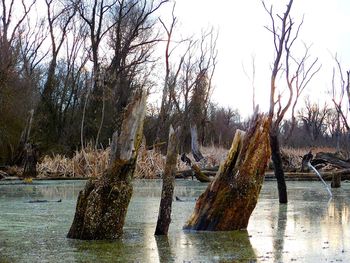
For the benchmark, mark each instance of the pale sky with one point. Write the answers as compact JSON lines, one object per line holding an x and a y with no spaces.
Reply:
{"x":242,"y":34}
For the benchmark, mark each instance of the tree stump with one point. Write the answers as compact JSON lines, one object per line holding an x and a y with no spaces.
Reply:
{"x":102,"y":205}
{"x":31,"y":155}
{"x":164,"y":216}
{"x":336,"y":180}
{"x":231,"y":197}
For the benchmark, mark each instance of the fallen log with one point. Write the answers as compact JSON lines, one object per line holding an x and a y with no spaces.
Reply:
{"x":44,"y":201}
{"x":330,"y":158}
{"x":200,"y":176}
{"x":231,"y":197}
{"x":102,"y":205}
{"x":189,"y":173}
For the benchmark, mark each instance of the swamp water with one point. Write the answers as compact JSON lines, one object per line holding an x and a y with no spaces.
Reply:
{"x":311,"y":228}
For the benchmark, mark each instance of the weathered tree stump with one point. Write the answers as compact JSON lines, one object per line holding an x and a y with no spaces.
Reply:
{"x":31,"y":156}
{"x":305,"y":160}
{"x":336,"y":180}
{"x":102,"y":205}
{"x":164,"y":216}
{"x":197,"y":155}
{"x":231,"y":197}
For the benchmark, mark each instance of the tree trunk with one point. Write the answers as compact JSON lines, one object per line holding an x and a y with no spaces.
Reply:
{"x":30,"y":161}
{"x":164,"y":216}
{"x":19,"y":158}
{"x":278,"y":169}
{"x":336,"y":180}
{"x":102,"y":205}
{"x":330,"y":158}
{"x":197,"y":155}
{"x":231,"y":197}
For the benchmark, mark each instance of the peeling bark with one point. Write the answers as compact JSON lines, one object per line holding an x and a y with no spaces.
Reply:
{"x":102,"y":205}
{"x":164,"y":216}
{"x":231,"y":197}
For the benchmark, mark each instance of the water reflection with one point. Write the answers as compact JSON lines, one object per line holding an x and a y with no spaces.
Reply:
{"x":218,"y":246}
{"x":164,"y":251}
{"x":278,"y":240}
{"x":309,"y":229}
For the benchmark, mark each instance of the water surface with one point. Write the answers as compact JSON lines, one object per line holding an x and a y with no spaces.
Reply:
{"x":311,"y":228}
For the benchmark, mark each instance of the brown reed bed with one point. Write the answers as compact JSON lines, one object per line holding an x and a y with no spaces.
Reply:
{"x":150,"y":163}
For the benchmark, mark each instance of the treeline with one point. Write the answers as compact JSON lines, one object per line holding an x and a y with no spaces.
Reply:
{"x":76,"y":64}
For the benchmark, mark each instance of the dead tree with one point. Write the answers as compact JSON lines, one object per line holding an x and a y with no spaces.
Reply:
{"x":284,"y":36}
{"x":30,"y":160}
{"x":102,"y":205}
{"x":164,"y":216}
{"x":231,"y":197}
{"x":338,"y":92}
{"x":303,"y":75}
{"x":197,"y":155}
{"x":170,"y":80}
{"x":20,"y":151}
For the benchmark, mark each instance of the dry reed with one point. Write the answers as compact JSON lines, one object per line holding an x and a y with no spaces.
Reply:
{"x":150,"y":163}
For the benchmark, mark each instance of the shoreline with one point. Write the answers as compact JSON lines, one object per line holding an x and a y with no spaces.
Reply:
{"x":269,"y":176}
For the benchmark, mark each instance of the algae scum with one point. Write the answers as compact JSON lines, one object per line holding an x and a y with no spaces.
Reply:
{"x":311,"y":228}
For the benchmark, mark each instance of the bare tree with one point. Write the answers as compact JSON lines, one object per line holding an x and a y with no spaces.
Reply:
{"x":95,"y":15}
{"x":170,"y":79}
{"x":59,"y":19}
{"x":339,"y":92}
{"x":314,"y":119}
{"x":302,"y":75}
{"x":15,"y":91}
{"x":132,"y":40}
{"x":284,"y":37}
{"x":251,"y":79}
{"x":196,"y":84}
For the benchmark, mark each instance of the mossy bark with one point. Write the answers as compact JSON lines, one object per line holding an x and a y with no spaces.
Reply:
{"x":231,"y":197}
{"x":102,"y":205}
{"x":164,"y":216}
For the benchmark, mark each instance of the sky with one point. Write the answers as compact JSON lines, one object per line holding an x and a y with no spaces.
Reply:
{"x":242,"y":35}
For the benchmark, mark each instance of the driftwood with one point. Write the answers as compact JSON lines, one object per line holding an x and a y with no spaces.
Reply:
{"x":323,"y":158}
{"x":102,"y":205}
{"x":200,"y":176}
{"x":164,"y":216}
{"x":207,"y":171}
{"x":231,"y":197}
{"x":45,"y":201}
